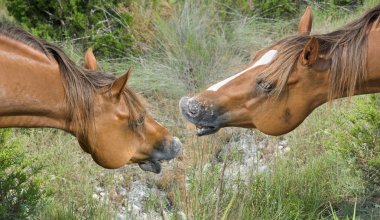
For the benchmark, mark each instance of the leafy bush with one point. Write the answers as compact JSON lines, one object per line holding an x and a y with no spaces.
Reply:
{"x":19,"y":187}
{"x":300,"y":185}
{"x":196,"y":46}
{"x":259,"y":8}
{"x":108,"y":26}
{"x":360,"y":140}
{"x":103,"y":25}
{"x":345,"y":2}
{"x":274,"y":9}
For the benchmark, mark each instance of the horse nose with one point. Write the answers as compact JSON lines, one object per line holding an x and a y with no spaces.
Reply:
{"x":194,"y":108}
{"x":172,"y":149}
{"x":190,"y":107}
{"x":177,"y":146}
{"x":168,"y":150}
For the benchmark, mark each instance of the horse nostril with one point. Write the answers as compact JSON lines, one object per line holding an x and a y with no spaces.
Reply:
{"x":194,"y":109}
{"x":190,"y":107}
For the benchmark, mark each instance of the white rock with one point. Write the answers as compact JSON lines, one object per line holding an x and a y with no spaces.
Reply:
{"x":181,"y":215}
{"x":121,"y":216}
{"x":95,"y":196}
{"x":263,"y":168}
{"x":98,"y":189}
{"x":122,"y":191}
{"x":283,"y":142}
{"x":286,"y":149}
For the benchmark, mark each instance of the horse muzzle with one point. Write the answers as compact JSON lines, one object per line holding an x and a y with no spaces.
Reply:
{"x":165,"y":151}
{"x":206,"y":118}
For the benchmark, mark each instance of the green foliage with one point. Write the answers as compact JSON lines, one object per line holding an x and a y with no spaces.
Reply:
{"x":295,"y":188}
{"x":19,"y":187}
{"x":259,"y":8}
{"x":108,"y":26}
{"x":344,"y":2}
{"x":200,"y":43}
{"x":69,"y":176}
{"x":195,"y":46}
{"x":103,"y":25}
{"x":276,"y":8}
{"x":359,"y":141}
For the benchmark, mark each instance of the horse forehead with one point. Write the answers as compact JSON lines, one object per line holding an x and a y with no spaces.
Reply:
{"x":265,"y":59}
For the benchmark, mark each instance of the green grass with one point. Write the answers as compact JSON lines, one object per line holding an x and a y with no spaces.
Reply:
{"x":313,"y":181}
{"x":320,"y":178}
{"x":20,"y":188}
{"x":195,"y":47}
{"x":304,"y":184}
{"x":68,"y":172}
{"x":3,"y":10}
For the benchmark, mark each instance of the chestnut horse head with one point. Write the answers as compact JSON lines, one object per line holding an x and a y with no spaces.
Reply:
{"x":41,"y":87}
{"x":285,"y":82}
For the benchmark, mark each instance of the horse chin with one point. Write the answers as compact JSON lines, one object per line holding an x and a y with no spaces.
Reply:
{"x":206,"y":130}
{"x":151,"y":166}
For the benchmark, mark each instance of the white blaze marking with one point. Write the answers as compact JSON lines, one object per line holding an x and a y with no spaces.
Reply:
{"x":266,"y":58}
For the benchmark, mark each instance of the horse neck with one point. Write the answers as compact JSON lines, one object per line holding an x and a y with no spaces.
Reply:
{"x":31,"y":89}
{"x":372,"y":84}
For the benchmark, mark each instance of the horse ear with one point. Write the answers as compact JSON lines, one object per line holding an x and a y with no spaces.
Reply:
{"x":310,"y":52}
{"x":304,"y":27}
{"x":120,"y":83}
{"x":90,"y":60}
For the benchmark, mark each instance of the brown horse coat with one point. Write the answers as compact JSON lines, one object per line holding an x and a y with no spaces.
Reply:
{"x":41,"y":87}
{"x":286,"y":81}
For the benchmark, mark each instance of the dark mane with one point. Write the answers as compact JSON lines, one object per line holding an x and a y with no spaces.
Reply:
{"x":80,"y":84}
{"x":347,"y":48}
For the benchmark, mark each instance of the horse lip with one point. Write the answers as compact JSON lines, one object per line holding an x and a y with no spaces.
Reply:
{"x":206,"y":130}
{"x":210,"y":122}
{"x":150,"y":166}
{"x":207,"y":127}
{"x":154,"y":163}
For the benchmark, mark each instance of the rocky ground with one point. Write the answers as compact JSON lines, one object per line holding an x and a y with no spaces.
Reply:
{"x":243,"y":155}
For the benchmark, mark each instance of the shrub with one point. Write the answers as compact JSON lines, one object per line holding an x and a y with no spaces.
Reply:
{"x":274,"y":9}
{"x":360,"y":140}
{"x":259,"y":8}
{"x":103,"y":25}
{"x":345,"y":2}
{"x":195,"y":46}
{"x":19,"y":188}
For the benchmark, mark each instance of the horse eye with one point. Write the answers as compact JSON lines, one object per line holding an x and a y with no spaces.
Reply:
{"x":140,"y":121}
{"x":265,"y":86}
